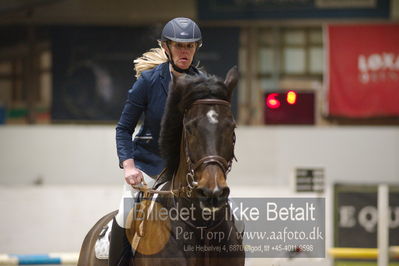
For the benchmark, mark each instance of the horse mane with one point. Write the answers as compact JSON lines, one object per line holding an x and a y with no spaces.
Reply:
{"x":182,"y":93}
{"x":149,"y":60}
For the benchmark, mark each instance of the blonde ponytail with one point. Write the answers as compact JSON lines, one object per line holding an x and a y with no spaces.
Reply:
{"x":149,"y":60}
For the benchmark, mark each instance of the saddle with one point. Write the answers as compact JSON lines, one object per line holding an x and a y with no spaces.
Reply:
{"x":136,"y":232}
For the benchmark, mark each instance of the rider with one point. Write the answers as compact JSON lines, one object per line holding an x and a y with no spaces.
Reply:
{"x":140,"y":158}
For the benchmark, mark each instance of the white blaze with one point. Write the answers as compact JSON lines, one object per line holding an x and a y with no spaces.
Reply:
{"x":212,"y":116}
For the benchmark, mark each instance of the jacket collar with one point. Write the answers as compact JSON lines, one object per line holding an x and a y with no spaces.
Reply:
{"x":165,"y":76}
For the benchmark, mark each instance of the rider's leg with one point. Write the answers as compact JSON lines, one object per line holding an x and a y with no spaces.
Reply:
{"x":119,"y":250}
{"x":120,"y":247}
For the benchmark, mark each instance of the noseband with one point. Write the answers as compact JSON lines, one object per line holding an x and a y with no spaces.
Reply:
{"x":206,"y":160}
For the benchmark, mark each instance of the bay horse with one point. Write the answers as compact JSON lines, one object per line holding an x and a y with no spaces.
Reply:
{"x":193,"y":223}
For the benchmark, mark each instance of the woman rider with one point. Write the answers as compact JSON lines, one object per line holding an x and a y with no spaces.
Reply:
{"x":140,"y":158}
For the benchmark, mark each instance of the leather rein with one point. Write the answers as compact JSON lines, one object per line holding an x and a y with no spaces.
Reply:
{"x":192,"y":166}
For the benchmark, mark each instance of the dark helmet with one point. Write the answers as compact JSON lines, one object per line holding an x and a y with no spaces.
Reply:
{"x":181,"y":30}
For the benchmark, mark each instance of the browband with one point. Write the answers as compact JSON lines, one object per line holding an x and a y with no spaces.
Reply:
{"x":211,"y":101}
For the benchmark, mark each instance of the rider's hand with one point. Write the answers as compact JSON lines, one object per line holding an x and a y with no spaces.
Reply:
{"x":133,"y":175}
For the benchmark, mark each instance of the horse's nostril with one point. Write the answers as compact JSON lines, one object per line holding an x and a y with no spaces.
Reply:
{"x":203,"y":192}
{"x":221,"y":194}
{"x":225,"y":193}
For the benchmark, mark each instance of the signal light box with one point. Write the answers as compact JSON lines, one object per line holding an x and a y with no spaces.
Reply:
{"x":289,"y":108}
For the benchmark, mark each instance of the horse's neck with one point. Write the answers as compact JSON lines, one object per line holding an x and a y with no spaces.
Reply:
{"x":181,"y":172}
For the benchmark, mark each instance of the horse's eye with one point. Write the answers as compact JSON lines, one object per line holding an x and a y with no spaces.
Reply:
{"x":189,"y":131}
{"x":190,"y":128}
{"x":229,"y":124}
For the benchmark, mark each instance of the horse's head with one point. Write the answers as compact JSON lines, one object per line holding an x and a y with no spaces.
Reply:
{"x":208,"y":131}
{"x":206,"y":147}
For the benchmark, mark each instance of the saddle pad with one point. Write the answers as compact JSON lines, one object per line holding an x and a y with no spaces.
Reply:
{"x":101,"y":247}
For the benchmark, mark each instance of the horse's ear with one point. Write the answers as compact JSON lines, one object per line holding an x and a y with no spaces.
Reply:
{"x":231,"y":80}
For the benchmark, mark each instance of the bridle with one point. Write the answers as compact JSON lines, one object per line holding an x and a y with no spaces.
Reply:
{"x":206,"y":160}
{"x":192,"y":166}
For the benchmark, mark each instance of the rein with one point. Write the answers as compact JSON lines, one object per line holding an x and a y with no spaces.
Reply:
{"x":192,"y":166}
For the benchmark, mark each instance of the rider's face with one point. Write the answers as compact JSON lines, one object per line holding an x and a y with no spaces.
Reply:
{"x":182,"y":53}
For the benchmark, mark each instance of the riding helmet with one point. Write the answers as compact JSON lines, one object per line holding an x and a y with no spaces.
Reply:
{"x":181,"y":30}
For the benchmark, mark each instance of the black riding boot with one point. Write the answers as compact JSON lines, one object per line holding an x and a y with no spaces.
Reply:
{"x":120,"y":251}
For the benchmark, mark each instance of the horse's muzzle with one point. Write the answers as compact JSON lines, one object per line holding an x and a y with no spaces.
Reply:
{"x":215,"y":198}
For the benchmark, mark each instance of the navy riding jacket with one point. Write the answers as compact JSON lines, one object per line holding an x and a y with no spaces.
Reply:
{"x":148,"y":97}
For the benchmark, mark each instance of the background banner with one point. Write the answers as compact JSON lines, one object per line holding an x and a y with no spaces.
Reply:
{"x":363,"y":70}
{"x":356,"y":215}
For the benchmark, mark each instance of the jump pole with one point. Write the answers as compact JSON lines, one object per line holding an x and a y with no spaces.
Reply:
{"x":383,"y":225}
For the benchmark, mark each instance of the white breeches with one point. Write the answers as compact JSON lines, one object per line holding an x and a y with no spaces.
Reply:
{"x":128,"y":199}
